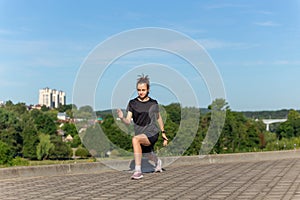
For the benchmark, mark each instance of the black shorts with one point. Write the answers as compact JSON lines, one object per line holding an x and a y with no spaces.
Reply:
{"x":153,"y":139}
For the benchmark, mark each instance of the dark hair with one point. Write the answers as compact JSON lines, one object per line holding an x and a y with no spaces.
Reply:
{"x":143,"y":79}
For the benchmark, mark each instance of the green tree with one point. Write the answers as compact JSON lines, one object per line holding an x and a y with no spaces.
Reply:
{"x":251,"y":140}
{"x":19,"y":108}
{"x":13,"y":138}
{"x":31,"y":140}
{"x":87,"y":109}
{"x":95,"y":140}
{"x":10,"y":129}
{"x":64,"y":108}
{"x":293,"y":115}
{"x":285,"y":130}
{"x":174,"y":112}
{"x":76,"y":141}
{"x":44,"y":147}
{"x":114,"y":134}
{"x":61,"y":150}
{"x":217,"y":119}
{"x":43,"y":122}
{"x":6,"y":155}
{"x":70,"y":129}
{"x":186,"y":131}
{"x":239,"y":134}
{"x":290,"y":128}
{"x":44,"y":108}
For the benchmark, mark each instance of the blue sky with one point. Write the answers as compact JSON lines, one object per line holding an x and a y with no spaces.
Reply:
{"x":254,"y":45}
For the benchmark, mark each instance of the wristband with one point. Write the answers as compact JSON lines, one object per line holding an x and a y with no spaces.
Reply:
{"x":163,"y":131}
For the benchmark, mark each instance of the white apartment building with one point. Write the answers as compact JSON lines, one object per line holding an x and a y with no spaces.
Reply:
{"x":52,"y":98}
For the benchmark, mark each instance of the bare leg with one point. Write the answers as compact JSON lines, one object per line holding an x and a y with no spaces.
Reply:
{"x":137,"y":149}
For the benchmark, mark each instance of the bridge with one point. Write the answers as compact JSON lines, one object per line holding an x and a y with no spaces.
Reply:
{"x":271,"y":121}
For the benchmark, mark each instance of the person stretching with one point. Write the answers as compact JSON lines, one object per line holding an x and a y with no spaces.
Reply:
{"x":146,"y":118}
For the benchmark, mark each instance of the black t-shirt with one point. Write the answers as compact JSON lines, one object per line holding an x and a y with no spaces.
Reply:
{"x":144,"y":116}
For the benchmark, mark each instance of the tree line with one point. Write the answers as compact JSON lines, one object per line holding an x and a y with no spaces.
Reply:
{"x":33,"y":134}
{"x":240,"y":133}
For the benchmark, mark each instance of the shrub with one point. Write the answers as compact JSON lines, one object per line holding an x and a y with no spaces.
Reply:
{"x":61,"y":150}
{"x":82,"y":152}
{"x":18,"y":161}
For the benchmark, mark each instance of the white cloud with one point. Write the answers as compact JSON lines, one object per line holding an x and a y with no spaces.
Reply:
{"x":286,"y":62}
{"x":264,"y":12}
{"x":134,"y":15}
{"x":267,"y":24}
{"x":263,"y":63}
{"x":225,"y":5}
{"x":179,"y":45}
{"x":219,"y":44}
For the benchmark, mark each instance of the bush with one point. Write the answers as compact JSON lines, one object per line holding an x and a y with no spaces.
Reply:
{"x":76,"y":141}
{"x":82,"y":152}
{"x":61,"y":150}
{"x":18,"y":161}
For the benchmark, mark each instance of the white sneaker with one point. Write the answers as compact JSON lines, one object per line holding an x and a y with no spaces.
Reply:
{"x":158,"y":166}
{"x":137,"y":175}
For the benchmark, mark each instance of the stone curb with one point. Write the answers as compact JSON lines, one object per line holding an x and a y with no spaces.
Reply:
{"x":51,"y":170}
{"x":98,"y":167}
{"x":239,"y":157}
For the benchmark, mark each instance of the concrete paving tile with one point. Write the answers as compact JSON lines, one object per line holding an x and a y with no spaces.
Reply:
{"x":268,"y":179}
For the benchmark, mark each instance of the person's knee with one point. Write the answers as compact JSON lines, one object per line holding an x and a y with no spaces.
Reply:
{"x":135,"y":140}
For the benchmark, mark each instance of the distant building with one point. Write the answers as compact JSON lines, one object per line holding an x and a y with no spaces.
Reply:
{"x":52,"y":98}
{"x":38,"y":107}
{"x":69,"y":138}
{"x":100,"y":120}
{"x":62,"y":116}
{"x":2,"y":103}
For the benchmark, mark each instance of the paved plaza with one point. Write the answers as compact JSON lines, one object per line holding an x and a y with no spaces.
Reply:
{"x":258,"y":179}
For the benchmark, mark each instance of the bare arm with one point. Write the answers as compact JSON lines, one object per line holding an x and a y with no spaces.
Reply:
{"x":126,"y":120}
